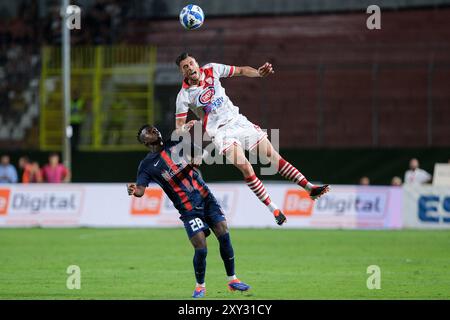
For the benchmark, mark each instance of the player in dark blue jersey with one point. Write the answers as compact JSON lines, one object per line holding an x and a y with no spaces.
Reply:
{"x":198,"y":208}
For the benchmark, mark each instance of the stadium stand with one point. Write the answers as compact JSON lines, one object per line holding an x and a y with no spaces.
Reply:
{"x":19,"y":74}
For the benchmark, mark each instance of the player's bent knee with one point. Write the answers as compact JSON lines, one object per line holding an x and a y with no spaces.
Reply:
{"x":198,"y":240}
{"x":199,"y":245}
{"x":272,"y":153}
{"x":220,"y":229}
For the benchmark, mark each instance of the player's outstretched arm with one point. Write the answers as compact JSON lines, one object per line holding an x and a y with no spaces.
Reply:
{"x":134,"y":190}
{"x":263,"y":71}
{"x":179,"y":123}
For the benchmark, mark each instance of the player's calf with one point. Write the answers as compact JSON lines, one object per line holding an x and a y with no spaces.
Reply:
{"x":259,"y":190}
{"x":200,"y":270}
{"x":288,"y":171}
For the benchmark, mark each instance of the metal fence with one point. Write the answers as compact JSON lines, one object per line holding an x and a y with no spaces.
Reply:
{"x":116,"y":84}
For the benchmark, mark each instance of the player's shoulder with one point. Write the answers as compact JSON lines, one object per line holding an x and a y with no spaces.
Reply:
{"x":148,"y":160}
{"x":209,"y":65}
{"x":212,"y":65}
{"x":219,"y":69}
{"x":183,"y":94}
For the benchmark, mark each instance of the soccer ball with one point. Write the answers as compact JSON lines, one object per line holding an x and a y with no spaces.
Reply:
{"x":192,"y":17}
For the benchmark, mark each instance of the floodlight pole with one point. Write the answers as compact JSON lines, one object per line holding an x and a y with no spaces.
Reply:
{"x":67,"y":129}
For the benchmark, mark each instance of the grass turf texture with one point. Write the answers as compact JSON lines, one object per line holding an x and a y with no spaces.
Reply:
{"x":278,"y":264}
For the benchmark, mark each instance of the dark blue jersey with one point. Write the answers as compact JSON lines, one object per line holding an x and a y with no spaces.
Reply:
{"x":176,"y":176}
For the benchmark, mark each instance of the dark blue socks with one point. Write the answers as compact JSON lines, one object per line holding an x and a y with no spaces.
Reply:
{"x":200,"y":264}
{"x":227,"y":253}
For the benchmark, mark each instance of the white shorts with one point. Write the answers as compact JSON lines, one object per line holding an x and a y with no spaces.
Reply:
{"x":240,"y":132}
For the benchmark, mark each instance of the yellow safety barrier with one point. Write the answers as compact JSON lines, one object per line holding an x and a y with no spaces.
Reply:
{"x":117,"y":86}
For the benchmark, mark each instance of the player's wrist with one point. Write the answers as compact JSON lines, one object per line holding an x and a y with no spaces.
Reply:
{"x":185,"y":127}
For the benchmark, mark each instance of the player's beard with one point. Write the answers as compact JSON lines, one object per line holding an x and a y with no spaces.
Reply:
{"x":158,"y":142}
{"x":196,"y":75}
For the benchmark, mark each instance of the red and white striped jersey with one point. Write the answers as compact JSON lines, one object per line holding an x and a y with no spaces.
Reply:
{"x":208,"y":100}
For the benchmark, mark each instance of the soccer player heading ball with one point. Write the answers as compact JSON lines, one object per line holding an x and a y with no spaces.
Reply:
{"x":231,"y":132}
{"x":198,"y":208}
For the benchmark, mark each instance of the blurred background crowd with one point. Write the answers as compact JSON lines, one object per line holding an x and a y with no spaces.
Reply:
{"x":30,"y":171}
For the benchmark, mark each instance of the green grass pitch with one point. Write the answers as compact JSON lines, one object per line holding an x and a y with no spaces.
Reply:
{"x":277,"y":263}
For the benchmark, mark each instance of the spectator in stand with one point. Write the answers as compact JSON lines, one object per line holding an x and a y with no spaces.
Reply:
{"x":8,"y":174}
{"x":396,"y":181}
{"x":364,"y":181}
{"x":24,"y":166}
{"x":55,"y":172}
{"x":31,"y":172}
{"x":36,"y":173}
{"x":415,"y":175}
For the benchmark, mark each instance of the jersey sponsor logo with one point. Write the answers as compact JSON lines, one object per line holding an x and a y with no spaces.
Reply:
{"x":4,"y":200}
{"x":297,"y":203}
{"x":213,"y":105}
{"x":170,"y":173}
{"x":148,"y":204}
{"x":156,"y":163}
{"x":168,"y":176}
{"x":179,"y":163}
{"x":206,"y":96}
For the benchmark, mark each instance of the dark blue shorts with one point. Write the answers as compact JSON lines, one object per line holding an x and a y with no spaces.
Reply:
{"x":202,"y":219}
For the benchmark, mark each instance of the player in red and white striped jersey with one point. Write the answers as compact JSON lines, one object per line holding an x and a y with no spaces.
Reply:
{"x":232,"y":132}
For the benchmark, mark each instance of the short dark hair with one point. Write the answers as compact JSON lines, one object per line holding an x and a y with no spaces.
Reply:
{"x":181,"y":57}
{"x":138,"y":136}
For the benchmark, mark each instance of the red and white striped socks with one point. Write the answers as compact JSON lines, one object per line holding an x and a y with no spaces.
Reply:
{"x":288,"y":171}
{"x":260,"y":191}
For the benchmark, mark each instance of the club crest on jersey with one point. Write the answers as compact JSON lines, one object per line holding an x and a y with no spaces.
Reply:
{"x":206,"y":96}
